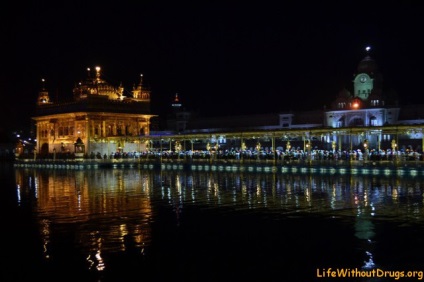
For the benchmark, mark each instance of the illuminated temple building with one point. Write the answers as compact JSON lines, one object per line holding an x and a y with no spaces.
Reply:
{"x":367,"y":113}
{"x":106,"y":121}
{"x":100,"y":116}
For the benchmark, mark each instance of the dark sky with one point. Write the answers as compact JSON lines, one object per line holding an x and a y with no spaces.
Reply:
{"x":222,"y":58}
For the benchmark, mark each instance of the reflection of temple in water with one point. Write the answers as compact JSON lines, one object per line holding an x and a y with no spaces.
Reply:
{"x":348,"y":195}
{"x":111,"y":210}
{"x":97,"y":199}
{"x":76,"y":195}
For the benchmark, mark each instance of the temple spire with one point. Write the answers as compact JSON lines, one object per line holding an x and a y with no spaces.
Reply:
{"x":176,"y":104}
{"x":43,"y":95}
{"x":98,"y":73}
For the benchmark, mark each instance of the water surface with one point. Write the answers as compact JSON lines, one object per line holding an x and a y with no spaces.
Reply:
{"x":143,"y":225}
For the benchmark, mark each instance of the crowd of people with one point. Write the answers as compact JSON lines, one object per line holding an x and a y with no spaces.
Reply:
{"x":293,"y":154}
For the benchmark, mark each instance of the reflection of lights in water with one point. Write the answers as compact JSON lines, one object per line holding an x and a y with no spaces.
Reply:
{"x":146,"y":186}
{"x":100,"y":265}
{"x":79,"y":200}
{"x":95,"y":259}
{"x":243,"y":189}
{"x":123,"y":230}
{"x":193,"y":194}
{"x":308,"y":195}
{"x":209,"y":185}
{"x":35,"y":186}
{"x":18,"y":193}
{"x":394,"y":193}
{"x":168,"y":195}
{"x":359,"y":194}
{"x":178,"y":184}
{"x":45,"y":231}
{"x":217,"y":193}
{"x":369,"y":264}
{"x":162,"y":192}
{"x":365,"y":231}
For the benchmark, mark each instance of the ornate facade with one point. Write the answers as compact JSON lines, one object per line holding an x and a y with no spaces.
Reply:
{"x":368,"y":106}
{"x":100,"y":115}
{"x":365,"y":115}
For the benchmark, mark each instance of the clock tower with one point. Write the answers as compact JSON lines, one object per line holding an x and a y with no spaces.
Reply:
{"x":367,"y":78}
{"x":363,"y":85}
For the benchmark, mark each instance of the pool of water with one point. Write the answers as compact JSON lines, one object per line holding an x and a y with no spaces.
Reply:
{"x":143,"y":225}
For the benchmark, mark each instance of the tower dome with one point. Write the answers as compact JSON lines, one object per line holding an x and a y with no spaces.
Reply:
{"x":97,"y":86}
{"x":367,"y":65}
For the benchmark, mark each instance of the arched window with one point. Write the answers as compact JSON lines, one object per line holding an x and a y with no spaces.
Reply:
{"x":373,"y":121}
{"x":341,"y":122}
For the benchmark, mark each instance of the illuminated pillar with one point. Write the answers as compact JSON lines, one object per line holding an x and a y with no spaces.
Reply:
{"x":103,"y":128}
{"x":397,"y":138}
{"x":243,"y":147}
{"x":394,"y":145}
{"x":160,"y":139}
{"x":288,"y":147}
{"x":365,"y":150}
{"x":308,"y":151}
{"x":88,"y":135}
{"x":258,"y":149}
{"x":184,"y":149}
{"x":208,"y":148}
{"x":340,"y":141}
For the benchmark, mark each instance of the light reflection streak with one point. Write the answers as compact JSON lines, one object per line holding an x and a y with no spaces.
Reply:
{"x":45,"y":231}
{"x":94,"y":259}
{"x":18,"y":193}
{"x":35,"y":187}
{"x":123,"y":230}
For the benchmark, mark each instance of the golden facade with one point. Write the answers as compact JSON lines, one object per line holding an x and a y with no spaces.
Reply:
{"x":100,"y":115}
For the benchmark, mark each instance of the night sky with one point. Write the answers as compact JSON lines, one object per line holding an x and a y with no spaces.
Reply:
{"x":222,"y":59}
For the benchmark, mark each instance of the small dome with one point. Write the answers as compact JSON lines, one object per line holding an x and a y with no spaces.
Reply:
{"x":367,"y":65}
{"x":344,"y":94}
